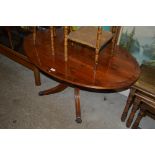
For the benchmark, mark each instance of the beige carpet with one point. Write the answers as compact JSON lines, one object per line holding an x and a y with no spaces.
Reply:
{"x":21,"y":107}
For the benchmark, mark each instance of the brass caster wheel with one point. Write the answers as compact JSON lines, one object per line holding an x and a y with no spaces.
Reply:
{"x":41,"y":93}
{"x":78,"y":120}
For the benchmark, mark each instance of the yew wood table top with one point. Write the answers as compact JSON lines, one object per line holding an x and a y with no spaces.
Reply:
{"x":115,"y":72}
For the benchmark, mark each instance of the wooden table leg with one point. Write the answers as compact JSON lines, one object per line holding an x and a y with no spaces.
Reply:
{"x":128,"y":104}
{"x":37,"y":76}
{"x":53,"y":90}
{"x":133,"y":111}
{"x":8,"y":30}
{"x":141,"y":114}
{"x":77,"y":105}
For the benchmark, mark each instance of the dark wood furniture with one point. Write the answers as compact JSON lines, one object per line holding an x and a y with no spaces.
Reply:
{"x":142,"y":96}
{"x":113,"y":72}
{"x":19,"y":57}
{"x":93,"y":37}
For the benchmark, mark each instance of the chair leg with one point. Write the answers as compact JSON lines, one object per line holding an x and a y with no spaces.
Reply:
{"x":77,"y":105}
{"x":65,"y":43}
{"x":37,"y":76}
{"x":96,"y":56}
{"x":141,"y":114}
{"x":10,"y":37}
{"x":52,"y":39}
{"x":99,"y":32}
{"x":116,"y":31}
{"x":133,"y":111}
{"x":128,"y":104}
{"x":34,"y":35}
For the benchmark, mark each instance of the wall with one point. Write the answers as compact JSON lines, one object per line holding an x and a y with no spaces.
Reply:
{"x":140,"y":42}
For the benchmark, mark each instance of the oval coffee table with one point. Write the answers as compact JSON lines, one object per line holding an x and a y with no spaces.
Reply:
{"x":113,"y":73}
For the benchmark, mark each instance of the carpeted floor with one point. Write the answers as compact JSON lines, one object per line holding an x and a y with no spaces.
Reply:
{"x":21,"y":107}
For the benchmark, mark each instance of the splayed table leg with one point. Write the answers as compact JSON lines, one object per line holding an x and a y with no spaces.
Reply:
{"x":53,"y":90}
{"x":77,"y":105}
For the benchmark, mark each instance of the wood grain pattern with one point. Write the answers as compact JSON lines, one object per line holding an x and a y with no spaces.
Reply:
{"x":112,"y":72}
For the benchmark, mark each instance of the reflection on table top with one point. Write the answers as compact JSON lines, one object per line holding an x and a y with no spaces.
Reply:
{"x":112,"y":73}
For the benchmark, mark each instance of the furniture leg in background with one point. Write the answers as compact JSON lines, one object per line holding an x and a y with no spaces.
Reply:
{"x":142,"y":97}
{"x":21,"y":59}
{"x":141,"y":114}
{"x":133,"y":111}
{"x":7,"y":29}
{"x":128,"y":104}
{"x":37,"y":76}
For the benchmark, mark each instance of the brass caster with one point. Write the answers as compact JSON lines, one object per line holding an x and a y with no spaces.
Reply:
{"x":78,"y":120}
{"x":41,"y":93}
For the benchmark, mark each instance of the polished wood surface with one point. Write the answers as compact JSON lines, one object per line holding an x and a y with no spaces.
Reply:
{"x":118,"y":71}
